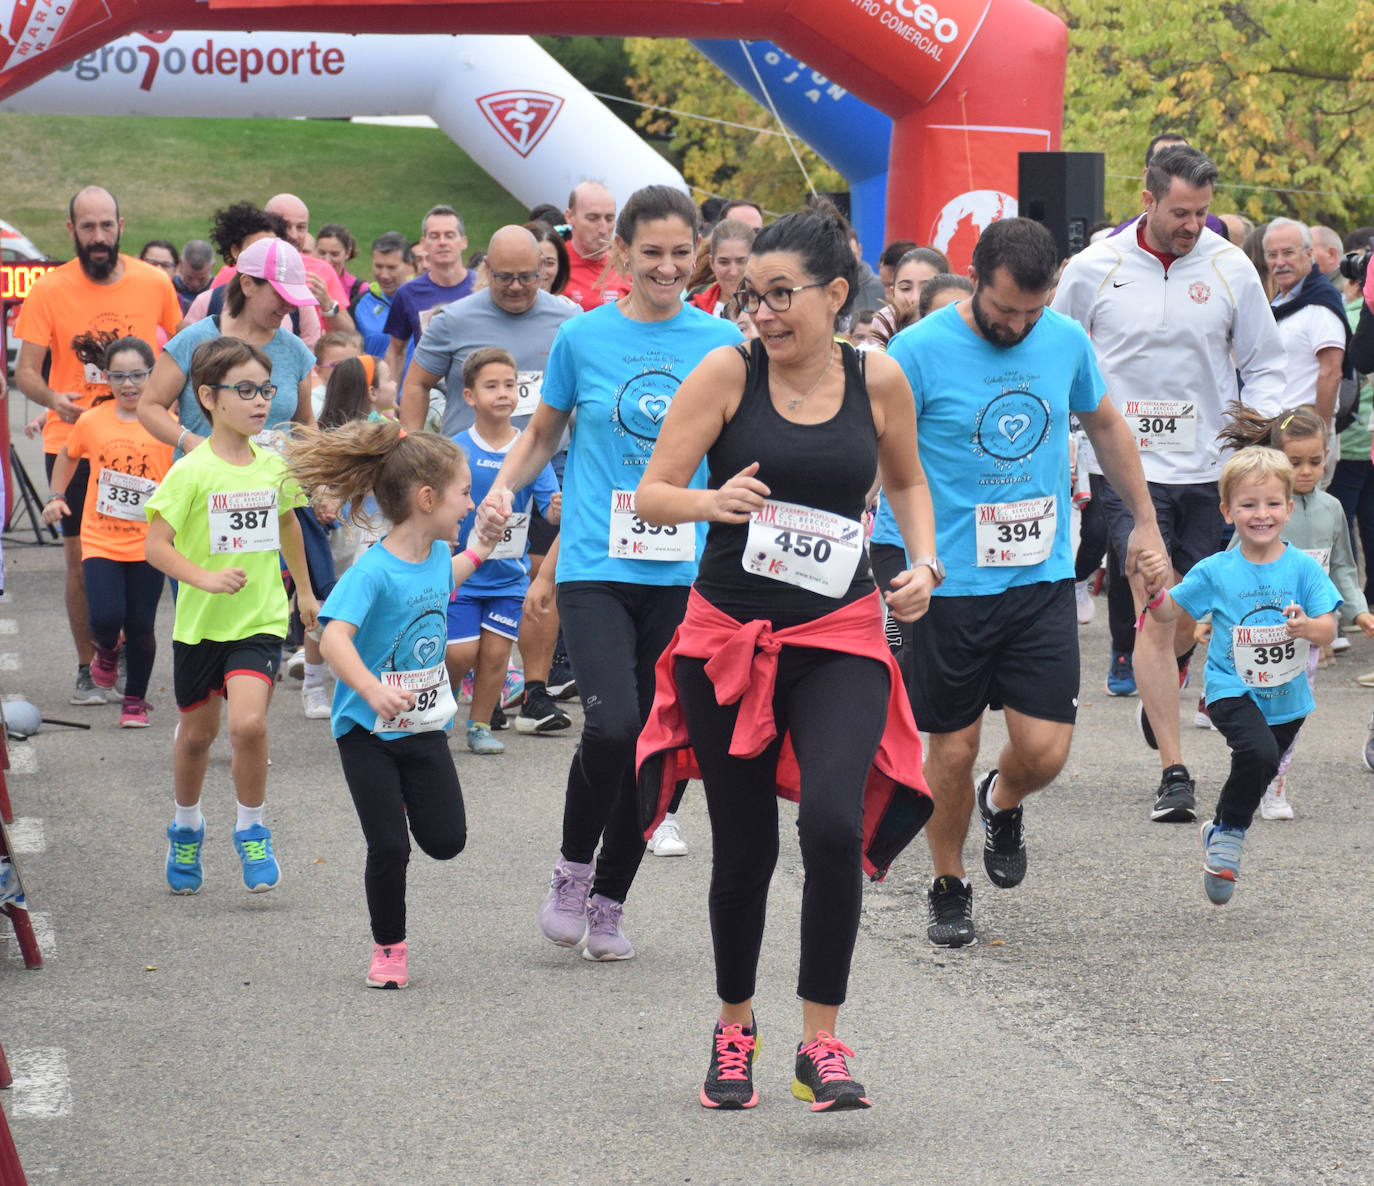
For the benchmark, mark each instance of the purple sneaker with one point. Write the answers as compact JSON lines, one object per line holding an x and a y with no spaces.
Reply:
{"x":563,"y":913}
{"x":605,"y":940}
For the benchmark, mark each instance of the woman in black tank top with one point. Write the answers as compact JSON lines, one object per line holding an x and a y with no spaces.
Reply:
{"x":795,"y":433}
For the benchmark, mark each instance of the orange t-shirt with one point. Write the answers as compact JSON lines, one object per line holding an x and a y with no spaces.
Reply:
{"x":66,"y":306}
{"x":127,"y":463}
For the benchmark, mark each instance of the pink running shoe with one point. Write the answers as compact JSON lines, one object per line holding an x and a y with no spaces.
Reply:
{"x":105,"y":668}
{"x":389,"y":966}
{"x":134,"y":714}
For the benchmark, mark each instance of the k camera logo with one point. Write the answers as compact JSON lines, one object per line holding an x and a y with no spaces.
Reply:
{"x":226,"y":61}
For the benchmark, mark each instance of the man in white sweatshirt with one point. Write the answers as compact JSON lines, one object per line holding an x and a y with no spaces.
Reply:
{"x":1173,"y":311}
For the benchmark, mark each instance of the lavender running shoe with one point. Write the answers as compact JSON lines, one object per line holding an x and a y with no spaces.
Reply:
{"x":563,"y":913}
{"x":605,"y":940}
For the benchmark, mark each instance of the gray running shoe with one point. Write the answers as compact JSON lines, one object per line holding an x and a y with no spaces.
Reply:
{"x":87,"y":691}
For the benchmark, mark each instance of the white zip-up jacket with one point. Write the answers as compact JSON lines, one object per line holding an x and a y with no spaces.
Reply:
{"x":1169,"y":344}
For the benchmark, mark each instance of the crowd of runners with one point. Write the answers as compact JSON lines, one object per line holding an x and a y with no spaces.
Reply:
{"x":768,"y":514}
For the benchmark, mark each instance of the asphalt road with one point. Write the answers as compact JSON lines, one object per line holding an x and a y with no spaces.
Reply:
{"x":1111,"y":1026}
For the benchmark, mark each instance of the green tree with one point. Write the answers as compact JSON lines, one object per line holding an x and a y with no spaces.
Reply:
{"x":599,"y":63}
{"x":1277,"y":92}
{"x":750,"y":161}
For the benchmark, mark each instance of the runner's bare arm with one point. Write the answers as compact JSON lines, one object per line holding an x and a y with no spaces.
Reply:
{"x":336,"y":645}
{"x":28,"y":377}
{"x":155,"y":405}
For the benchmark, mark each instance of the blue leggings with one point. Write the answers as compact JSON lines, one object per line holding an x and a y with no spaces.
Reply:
{"x":123,"y":595}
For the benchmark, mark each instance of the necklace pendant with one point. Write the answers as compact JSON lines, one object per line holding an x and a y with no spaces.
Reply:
{"x":793,"y":404}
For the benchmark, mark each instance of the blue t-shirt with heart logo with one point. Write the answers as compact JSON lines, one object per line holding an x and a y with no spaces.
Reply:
{"x":400,"y":610}
{"x":993,"y":429}
{"x":620,"y":376}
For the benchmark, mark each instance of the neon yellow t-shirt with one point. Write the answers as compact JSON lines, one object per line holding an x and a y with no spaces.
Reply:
{"x":229,"y":516}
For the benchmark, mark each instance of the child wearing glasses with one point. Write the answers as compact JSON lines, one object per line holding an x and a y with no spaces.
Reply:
{"x":122,"y":588}
{"x":216,"y":525}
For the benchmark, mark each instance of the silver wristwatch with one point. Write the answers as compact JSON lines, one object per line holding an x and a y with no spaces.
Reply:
{"x":934,"y":563}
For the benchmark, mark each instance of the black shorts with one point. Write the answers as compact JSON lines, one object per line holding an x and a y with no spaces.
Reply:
{"x":201,"y":669}
{"x":1189,"y":519}
{"x":1017,"y":649}
{"x":74,"y":494}
{"x":542,"y":533}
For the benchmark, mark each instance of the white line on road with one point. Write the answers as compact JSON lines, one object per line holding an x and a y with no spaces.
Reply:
{"x":27,"y":836}
{"x":23,"y":757}
{"x":8,"y":626}
{"x":9,"y":661}
{"x":42,"y":931}
{"x":42,"y":1084}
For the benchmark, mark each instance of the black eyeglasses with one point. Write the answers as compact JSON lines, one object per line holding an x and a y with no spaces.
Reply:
{"x":777,"y":299}
{"x":515,"y":277}
{"x":119,"y":378}
{"x":248,"y":390}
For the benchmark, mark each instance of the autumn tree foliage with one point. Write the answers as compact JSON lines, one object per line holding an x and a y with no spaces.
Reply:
{"x":1280,"y":93}
{"x":719,"y":159}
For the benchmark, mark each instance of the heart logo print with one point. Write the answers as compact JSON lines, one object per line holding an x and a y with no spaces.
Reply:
{"x":426,"y":650}
{"x":1012,"y":427}
{"x":654,"y":406}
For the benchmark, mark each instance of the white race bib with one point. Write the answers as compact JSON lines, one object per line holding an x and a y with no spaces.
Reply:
{"x":511,"y":546}
{"x":1322,"y":556}
{"x":633,"y":539}
{"x":528,"y":387}
{"x":1162,"y":425}
{"x":122,"y":496}
{"x":1015,"y":533}
{"x":803,"y":546}
{"x":244,"y":521}
{"x":434,"y":703}
{"x":1266,"y":657}
{"x":272,"y":439}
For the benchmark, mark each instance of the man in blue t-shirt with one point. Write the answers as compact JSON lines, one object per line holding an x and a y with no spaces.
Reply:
{"x":995,"y":378}
{"x":441,"y":231}
{"x":391,"y":267}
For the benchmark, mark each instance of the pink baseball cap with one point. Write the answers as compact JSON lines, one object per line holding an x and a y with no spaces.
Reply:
{"x":280,"y":264}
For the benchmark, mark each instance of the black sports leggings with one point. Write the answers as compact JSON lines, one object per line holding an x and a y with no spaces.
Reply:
{"x":615,"y":633}
{"x":1256,"y":748}
{"x":411,"y":779}
{"x":836,"y":708}
{"x":123,"y":595}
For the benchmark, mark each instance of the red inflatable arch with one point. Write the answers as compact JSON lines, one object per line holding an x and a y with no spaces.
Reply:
{"x":968,"y":83}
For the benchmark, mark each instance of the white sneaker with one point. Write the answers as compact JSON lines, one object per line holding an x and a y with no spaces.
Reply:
{"x":1275,"y":803}
{"x":295,"y":666}
{"x":1083,"y":597}
{"x":315,"y":701}
{"x":1340,"y":643}
{"x":667,"y":841}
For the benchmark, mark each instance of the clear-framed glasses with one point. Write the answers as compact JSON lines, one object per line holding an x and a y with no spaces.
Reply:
{"x":508,"y":278}
{"x":119,"y":378}
{"x":777,"y":299}
{"x":248,"y":390}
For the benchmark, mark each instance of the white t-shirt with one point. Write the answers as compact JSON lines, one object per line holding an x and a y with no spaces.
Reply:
{"x":1304,"y":333}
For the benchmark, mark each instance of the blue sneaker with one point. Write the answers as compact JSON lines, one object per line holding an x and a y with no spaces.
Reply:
{"x":480,"y":740}
{"x":1121,"y":675}
{"x":260,"y":870}
{"x":184,"y":870}
{"x":512,"y":687}
{"x":1221,"y":860}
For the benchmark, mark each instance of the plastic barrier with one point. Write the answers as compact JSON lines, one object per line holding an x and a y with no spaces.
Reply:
{"x":968,"y":83}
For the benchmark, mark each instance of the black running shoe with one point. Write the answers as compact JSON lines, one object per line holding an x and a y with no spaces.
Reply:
{"x":1142,"y":723}
{"x":1004,"y":842}
{"x":730,"y":1076}
{"x":562,"y":684}
{"x":1175,"y":801}
{"x":539,"y":714}
{"x":951,"y":913}
{"x":822,"y":1076}
{"x":498,"y":719}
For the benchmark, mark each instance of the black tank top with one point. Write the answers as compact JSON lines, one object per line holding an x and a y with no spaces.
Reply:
{"x":830,"y":466}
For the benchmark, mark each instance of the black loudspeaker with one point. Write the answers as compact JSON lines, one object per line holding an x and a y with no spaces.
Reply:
{"x":1065,"y":191}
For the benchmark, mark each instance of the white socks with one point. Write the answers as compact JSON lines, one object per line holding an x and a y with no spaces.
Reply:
{"x":314,"y":674}
{"x":189,"y":817}
{"x":248,"y":817}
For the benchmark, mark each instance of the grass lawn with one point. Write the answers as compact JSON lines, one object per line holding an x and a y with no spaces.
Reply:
{"x":171,"y":174}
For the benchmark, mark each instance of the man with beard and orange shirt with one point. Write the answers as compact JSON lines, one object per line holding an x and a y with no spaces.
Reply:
{"x":75,"y":311}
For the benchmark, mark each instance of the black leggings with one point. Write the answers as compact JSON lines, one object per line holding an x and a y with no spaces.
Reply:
{"x":835,"y":707}
{"x":123,"y":595}
{"x":411,"y":779}
{"x":615,"y":633}
{"x":1256,"y":748}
